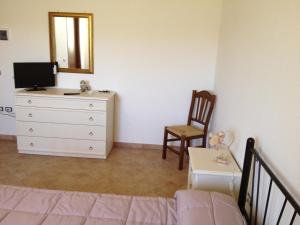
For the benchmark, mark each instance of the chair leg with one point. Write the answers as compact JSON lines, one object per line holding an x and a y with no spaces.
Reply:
{"x":188,"y":144}
{"x":204,"y":142}
{"x":181,"y":153}
{"x":164,"y":153}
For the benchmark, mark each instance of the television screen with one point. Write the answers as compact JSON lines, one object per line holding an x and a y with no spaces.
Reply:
{"x":34,"y":75}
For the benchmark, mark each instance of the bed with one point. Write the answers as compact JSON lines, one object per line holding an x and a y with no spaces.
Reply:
{"x":30,"y":206}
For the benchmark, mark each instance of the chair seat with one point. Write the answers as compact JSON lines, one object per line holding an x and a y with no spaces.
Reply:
{"x":186,"y":130}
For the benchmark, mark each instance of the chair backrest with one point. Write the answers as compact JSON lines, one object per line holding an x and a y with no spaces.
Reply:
{"x":201,"y":109}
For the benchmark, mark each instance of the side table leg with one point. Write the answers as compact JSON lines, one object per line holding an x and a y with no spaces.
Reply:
{"x":190,"y":174}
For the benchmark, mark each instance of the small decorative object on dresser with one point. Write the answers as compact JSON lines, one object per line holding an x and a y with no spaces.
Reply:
{"x":213,"y":170}
{"x":85,"y":86}
{"x":51,"y":123}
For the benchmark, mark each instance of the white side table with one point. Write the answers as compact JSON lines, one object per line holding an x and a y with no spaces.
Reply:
{"x":205,"y":173}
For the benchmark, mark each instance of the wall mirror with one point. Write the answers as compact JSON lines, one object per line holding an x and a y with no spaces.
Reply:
{"x":71,"y":41}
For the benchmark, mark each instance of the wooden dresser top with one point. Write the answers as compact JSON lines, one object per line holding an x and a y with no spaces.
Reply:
{"x":59,"y":92}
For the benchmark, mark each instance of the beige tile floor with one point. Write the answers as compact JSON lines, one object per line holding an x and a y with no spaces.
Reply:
{"x":126,"y":171}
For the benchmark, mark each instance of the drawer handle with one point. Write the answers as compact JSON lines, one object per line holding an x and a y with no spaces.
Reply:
{"x":29,"y":114}
{"x":91,"y":133}
{"x":91,"y":148}
{"x":31,"y":144}
{"x":29,"y":101}
{"x":30,"y":130}
{"x":91,"y":119}
{"x":91,"y":105}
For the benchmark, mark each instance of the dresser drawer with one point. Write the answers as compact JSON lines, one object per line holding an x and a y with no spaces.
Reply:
{"x":60,"y":116}
{"x":61,"y":103}
{"x":61,"y":130}
{"x":57,"y":145}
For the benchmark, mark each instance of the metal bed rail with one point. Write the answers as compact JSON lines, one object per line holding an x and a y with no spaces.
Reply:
{"x":253,"y":161}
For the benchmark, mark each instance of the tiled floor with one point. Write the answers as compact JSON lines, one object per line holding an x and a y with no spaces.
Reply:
{"x":126,"y":171}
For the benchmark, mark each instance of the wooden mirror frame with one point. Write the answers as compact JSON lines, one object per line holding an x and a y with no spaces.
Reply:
{"x":89,"y":16}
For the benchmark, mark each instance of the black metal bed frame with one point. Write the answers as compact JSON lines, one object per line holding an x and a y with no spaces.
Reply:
{"x":251,"y":217}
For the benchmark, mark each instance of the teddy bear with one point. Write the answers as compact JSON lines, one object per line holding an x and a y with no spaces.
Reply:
{"x":221,"y":139}
{"x":216,"y":139}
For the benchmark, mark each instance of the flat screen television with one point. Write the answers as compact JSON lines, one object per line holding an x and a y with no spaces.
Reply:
{"x":34,"y":75}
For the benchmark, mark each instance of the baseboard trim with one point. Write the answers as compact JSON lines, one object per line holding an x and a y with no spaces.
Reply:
{"x":137,"y":145}
{"x":116,"y":144}
{"x":8,"y":137}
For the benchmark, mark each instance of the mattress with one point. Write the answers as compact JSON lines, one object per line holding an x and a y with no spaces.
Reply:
{"x":30,"y":206}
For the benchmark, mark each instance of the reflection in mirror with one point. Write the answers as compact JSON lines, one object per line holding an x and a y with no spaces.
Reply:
{"x":71,"y":41}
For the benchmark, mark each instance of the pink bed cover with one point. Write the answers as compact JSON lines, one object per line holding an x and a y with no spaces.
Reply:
{"x":29,"y":206}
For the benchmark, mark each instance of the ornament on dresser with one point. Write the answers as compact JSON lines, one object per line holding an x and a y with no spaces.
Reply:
{"x":85,"y":86}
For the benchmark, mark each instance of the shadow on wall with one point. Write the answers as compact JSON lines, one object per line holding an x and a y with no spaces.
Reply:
{"x":116,"y":119}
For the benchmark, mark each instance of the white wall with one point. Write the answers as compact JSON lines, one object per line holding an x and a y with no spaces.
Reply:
{"x":151,"y":52}
{"x":258,"y":81}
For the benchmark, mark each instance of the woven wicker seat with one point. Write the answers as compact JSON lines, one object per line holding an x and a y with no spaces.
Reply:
{"x":201,"y":108}
{"x":186,"y":130}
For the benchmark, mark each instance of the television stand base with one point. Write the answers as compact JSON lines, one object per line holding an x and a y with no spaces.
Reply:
{"x":36,"y":89}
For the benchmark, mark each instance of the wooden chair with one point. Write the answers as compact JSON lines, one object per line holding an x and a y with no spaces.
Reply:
{"x":201,"y":109}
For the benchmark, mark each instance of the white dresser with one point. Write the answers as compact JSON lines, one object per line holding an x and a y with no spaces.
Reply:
{"x":51,"y":123}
